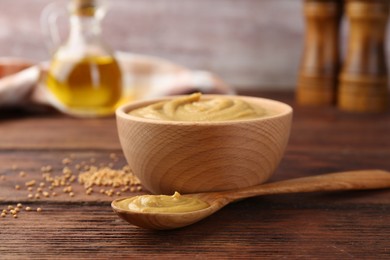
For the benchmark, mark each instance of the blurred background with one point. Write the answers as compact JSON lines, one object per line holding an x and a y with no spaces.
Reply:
{"x":249,"y":43}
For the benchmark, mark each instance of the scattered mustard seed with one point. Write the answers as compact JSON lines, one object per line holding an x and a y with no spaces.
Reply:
{"x":66,"y":170}
{"x":30,"y":183}
{"x":113,"y":181}
{"x":66,"y":161}
{"x":46,"y":169}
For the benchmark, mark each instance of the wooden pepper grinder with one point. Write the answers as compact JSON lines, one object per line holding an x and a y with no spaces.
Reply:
{"x":364,"y":79}
{"x":319,"y":69}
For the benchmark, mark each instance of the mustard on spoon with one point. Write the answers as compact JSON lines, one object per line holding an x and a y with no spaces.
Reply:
{"x":142,"y":214}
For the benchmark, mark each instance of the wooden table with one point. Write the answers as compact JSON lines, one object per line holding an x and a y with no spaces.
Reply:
{"x":338,"y":225}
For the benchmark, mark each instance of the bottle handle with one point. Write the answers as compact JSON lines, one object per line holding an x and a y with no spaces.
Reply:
{"x":49,"y":21}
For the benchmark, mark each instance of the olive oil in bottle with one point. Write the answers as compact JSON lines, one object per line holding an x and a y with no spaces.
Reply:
{"x":89,"y":86}
{"x":84,"y":77}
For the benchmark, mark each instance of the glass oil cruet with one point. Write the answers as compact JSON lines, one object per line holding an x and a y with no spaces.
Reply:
{"x":84,"y":78}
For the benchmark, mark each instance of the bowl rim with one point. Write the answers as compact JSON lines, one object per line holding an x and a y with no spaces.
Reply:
{"x":122,"y":111}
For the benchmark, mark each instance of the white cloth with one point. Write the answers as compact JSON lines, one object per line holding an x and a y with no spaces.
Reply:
{"x":21,"y":82}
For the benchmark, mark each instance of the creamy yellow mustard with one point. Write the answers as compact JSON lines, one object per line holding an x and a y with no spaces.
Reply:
{"x":163,"y":204}
{"x":193,"y":108}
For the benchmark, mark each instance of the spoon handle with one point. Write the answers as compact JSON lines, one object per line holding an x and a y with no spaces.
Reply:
{"x":341,"y":181}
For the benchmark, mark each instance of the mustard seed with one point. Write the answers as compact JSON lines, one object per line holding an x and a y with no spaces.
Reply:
{"x":66,"y":161}
{"x":30,"y":183}
{"x":15,"y":216}
{"x":28,"y":208}
{"x":30,"y":196}
{"x":72,"y":178}
{"x":46,"y":169}
{"x":17,"y":187}
{"x":22,"y":174}
{"x":39,"y":209}
{"x":66,"y":170}
{"x":19,"y":205}
{"x":3,"y":215}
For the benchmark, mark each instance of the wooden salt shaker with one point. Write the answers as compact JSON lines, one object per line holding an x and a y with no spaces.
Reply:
{"x":319,"y":69}
{"x":364,"y":79}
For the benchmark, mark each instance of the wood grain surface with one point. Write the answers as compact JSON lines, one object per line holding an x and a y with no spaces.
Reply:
{"x":338,"y":225}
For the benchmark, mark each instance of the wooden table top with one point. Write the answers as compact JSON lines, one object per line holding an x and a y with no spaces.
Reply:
{"x":337,"y":225}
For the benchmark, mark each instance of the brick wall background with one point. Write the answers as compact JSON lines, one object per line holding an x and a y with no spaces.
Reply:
{"x":249,"y":43}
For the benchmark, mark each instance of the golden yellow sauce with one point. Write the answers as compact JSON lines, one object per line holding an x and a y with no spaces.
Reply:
{"x":92,"y":85}
{"x":163,"y":204}
{"x":193,"y":108}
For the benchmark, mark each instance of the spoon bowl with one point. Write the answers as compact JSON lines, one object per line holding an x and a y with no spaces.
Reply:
{"x":351,"y":180}
{"x":163,"y":221}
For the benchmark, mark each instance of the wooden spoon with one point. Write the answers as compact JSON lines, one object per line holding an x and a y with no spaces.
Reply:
{"x":351,"y":180}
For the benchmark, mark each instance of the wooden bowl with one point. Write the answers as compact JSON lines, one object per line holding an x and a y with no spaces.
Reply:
{"x":191,"y":157}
